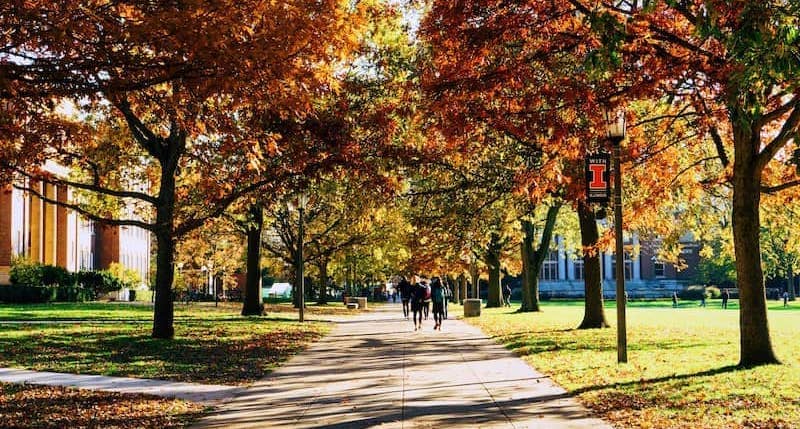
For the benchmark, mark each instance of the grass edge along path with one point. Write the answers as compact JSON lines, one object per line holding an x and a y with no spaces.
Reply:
{"x":143,"y":311}
{"x":681,"y":371}
{"x":229,"y":350}
{"x":27,"y":406}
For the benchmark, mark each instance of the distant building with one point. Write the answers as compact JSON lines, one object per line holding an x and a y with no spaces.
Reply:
{"x":562,"y":273}
{"x":54,"y":235}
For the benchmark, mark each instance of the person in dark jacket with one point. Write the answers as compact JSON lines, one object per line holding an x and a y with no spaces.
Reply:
{"x":438,"y":299}
{"x":417,"y":299}
{"x":405,"y":295}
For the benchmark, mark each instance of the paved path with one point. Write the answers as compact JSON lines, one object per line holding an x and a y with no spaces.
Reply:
{"x":195,"y":392}
{"x":375,"y":371}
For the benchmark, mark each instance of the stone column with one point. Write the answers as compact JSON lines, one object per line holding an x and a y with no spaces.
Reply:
{"x":107,"y":245}
{"x":61,"y":228}
{"x":637,"y":265}
{"x":609,"y":273}
{"x":36,"y":224}
{"x":50,"y":226}
{"x":562,"y":255}
{"x":5,"y":233}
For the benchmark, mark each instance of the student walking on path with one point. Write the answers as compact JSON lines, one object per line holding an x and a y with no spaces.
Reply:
{"x":438,"y":299}
{"x":405,"y":294}
{"x":725,"y":297}
{"x":417,"y":300}
{"x":426,"y":301}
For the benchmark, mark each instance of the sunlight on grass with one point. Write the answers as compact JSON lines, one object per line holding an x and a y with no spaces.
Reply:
{"x":210,"y":351}
{"x":143,"y":312}
{"x":681,"y":370}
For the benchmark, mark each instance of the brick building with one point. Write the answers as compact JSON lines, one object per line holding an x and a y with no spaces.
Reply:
{"x":645,"y":275}
{"x":54,"y":235}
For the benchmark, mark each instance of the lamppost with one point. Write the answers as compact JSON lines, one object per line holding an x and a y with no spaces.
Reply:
{"x":615,"y":127}
{"x":302,"y":201}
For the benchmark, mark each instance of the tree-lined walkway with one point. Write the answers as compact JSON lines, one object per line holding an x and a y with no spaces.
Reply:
{"x":374,"y":370}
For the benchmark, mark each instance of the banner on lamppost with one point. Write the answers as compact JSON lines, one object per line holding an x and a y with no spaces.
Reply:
{"x":598,"y":186}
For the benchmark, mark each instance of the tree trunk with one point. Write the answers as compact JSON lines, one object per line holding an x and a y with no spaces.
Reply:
{"x":756,"y":347}
{"x":455,"y":286}
{"x":475,"y":275}
{"x":492,"y":259}
{"x":252,"y":305}
{"x":323,"y":281}
{"x":462,"y":284}
{"x":163,"y":309}
{"x":296,"y":282}
{"x":790,"y":279}
{"x":163,"y":313}
{"x":532,"y":260}
{"x":526,"y":248}
{"x":594,"y":314}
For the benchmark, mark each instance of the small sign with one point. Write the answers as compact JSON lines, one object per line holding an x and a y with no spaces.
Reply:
{"x":598,"y":186}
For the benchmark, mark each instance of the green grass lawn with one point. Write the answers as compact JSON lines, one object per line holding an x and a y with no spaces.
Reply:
{"x":144,"y":311}
{"x":211,"y":345}
{"x":681,"y":371}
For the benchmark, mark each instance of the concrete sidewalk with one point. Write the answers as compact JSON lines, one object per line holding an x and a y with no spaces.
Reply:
{"x":208,"y":394}
{"x":376,"y":371}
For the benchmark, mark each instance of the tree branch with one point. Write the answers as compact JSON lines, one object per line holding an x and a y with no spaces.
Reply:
{"x":781,"y":187}
{"x":93,"y":188}
{"x":77,"y":208}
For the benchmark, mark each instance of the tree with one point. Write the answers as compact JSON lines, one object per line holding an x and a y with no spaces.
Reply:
{"x":218,"y":246}
{"x":343,"y":212}
{"x":730,"y":63}
{"x":734,"y":62}
{"x":187,"y":80}
{"x":532,"y":259}
{"x":780,"y":241}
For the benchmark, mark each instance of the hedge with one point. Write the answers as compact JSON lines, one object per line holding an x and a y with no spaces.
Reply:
{"x":32,"y":282}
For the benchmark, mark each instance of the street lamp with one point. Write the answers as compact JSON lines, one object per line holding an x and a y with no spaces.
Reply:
{"x":302,"y":201}
{"x":615,"y":128}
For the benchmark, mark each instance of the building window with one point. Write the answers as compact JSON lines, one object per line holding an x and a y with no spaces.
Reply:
{"x":578,"y":270}
{"x":550,"y":267}
{"x":658,"y":269}
{"x":628,"y":267}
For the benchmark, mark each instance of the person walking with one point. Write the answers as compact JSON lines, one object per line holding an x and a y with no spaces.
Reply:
{"x":507,"y":296}
{"x":448,"y":294}
{"x":405,"y":294}
{"x":426,"y":302}
{"x":417,"y":298}
{"x":674,"y":299}
{"x":438,"y":299}
{"x":725,"y":297}
{"x":785,"y":298}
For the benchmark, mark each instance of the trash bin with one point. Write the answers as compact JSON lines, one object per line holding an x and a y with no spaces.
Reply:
{"x":131,"y":295}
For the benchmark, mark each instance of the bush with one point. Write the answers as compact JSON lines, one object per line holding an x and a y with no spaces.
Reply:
{"x":25,"y":272}
{"x":33,"y":282}
{"x":56,"y":276}
{"x":713,"y":292}
{"x":73,"y":294}
{"x":98,"y":282}
{"x":28,"y":273}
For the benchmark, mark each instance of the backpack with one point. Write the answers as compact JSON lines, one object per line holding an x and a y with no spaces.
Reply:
{"x":427,"y":292}
{"x":438,"y":295}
